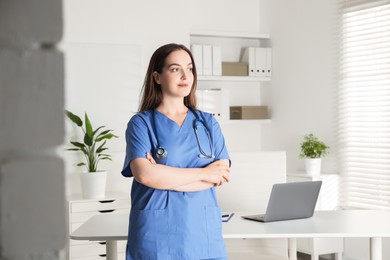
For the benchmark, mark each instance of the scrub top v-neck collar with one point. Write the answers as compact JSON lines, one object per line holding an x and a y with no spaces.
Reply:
{"x":171,"y":124}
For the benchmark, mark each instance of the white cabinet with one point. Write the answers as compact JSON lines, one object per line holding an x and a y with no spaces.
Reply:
{"x":81,"y":210}
{"x":327,"y":200}
{"x":237,"y":90}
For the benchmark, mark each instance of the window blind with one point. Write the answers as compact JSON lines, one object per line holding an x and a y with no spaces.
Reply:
{"x":364,"y":104}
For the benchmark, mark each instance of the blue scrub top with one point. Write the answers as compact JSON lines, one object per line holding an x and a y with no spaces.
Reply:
{"x":166,"y":224}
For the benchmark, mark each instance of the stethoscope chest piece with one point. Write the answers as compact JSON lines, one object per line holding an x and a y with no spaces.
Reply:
{"x":161,"y":153}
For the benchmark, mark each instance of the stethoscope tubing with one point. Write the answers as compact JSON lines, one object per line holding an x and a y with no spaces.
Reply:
{"x":163,"y":153}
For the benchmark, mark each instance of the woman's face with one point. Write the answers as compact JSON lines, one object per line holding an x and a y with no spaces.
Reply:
{"x":176,"y":78}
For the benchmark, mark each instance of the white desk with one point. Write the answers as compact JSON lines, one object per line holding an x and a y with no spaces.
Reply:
{"x":344,"y":223}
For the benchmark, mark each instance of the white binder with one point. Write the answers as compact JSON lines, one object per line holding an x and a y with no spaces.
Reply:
{"x":249,"y":57}
{"x":207,"y":60}
{"x":260,"y":61}
{"x":197,"y":53}
{"x":217,"y":60}
{"x":268,"y":67}
{"x":214,"y":101}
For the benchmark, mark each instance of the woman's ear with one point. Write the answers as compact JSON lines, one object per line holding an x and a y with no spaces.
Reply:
{"x":156,"y":77}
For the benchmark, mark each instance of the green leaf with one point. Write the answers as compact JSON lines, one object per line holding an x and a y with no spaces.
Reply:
{"x":87,"y":139}
{"x":107,"y":136}
{"x":84,"y":150}
{"x":88,"y":127}
{"x":101,"y":148}
{"x":73,"y":149}
{"x":80,"y":164}
{"x":77,"y":144}
{"x":100,"y":127}
{"x":104,"y":132}
{"x":75,"y":119}
{"x":106,"y":158}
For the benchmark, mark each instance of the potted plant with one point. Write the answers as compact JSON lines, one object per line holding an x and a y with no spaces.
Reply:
{"x":312,"y":150}
{"x":93,"y":147}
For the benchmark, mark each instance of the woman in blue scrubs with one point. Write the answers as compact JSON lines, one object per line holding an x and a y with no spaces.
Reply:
{"x":177,"y":156}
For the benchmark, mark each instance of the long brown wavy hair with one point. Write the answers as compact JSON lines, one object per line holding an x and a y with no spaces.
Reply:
{"x":151,"y":95}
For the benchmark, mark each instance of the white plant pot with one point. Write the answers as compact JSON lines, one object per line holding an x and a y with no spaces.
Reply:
{"x":93,"y":184}
{"x":313,"y":166}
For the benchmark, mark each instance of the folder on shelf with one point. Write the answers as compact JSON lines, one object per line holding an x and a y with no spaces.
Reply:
{"x":217,"y":60}
{"x":260,"y":61}
{"x":249,"y":57}
{"x":268,"y":66}
{"x":197,"y":53}
{"x":207,"y":60}
{"x":213,"y":101}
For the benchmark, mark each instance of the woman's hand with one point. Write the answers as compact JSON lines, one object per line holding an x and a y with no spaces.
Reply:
{"x":217,"y":172}
{"x":150,"y":158}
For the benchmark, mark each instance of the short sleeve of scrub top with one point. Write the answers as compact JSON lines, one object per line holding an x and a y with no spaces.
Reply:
{"x":138,"y":142}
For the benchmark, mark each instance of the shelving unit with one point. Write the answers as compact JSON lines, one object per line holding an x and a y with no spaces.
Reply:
{"x":232,"y":44}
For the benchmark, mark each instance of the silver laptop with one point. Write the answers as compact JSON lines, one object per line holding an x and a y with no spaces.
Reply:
{"x":292,"y":200}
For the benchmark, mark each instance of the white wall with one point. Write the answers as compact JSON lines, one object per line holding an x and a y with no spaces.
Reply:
{"x":220,"y":15}
{"x":302,"y":96}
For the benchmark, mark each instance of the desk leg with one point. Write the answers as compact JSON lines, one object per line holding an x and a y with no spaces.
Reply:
{"x":111,"y":250}
{"x":375,"y":248}
{"x":292,"y":248}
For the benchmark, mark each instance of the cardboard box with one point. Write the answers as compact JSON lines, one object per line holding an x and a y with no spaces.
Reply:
{"x":234,"y":68}
{"x":249,"y":112}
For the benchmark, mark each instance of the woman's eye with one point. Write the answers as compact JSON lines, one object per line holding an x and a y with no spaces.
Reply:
{"x":174,"y":69}
{"x":190,"y":69}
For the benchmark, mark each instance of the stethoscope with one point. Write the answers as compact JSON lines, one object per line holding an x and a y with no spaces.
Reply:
{"x":162,"y":153}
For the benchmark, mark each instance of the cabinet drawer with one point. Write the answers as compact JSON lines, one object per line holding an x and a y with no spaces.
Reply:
{"x":84,"y":216}
{"x":99,"y":205}
{"x":90,"y":249}
{"x":121,"y":244}
{"x":83,"y":242}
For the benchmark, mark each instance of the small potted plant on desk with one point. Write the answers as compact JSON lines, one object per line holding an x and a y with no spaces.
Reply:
{"x":93,"y":147}
{"x":312,"y":150}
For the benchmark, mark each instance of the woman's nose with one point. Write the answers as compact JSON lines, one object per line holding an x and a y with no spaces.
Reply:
{"x":184,"y":74}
